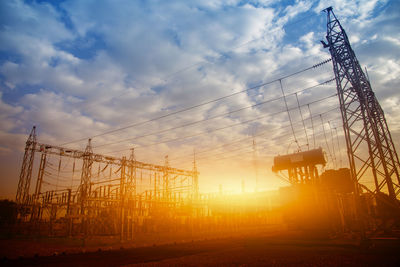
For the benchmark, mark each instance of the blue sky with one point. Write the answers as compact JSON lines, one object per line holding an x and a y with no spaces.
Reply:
{"x":80,"y":68}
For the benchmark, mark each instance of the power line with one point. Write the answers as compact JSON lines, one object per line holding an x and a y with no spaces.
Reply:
{"x":248,"y":146}
{"x":333,"y":144}
{"x":239,"y":150}
{"x":257,"y":135}
{"x":338,"y":143}
{"x":198,"y":105}
{"x":302,"y":119}
{"x":225,"y":127}
{"x":290,"y":118}
{"x":326,"y":140}
{"x":312,"y":124}
{"x":243,"y":139}
{"x":220,"y":146}
{"x":213,"y":117}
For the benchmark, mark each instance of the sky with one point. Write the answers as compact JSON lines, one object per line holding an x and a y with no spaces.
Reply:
{"x":80,"y":69}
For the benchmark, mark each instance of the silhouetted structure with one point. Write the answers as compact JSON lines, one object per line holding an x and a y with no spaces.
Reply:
{"x":370,"y":147}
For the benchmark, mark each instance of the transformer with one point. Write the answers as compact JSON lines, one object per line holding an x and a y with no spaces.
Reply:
{"x":301,"y":166}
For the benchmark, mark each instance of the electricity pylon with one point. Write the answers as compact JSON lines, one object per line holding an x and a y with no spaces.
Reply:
{"x":25,"y":176}
{"x":370,"y":148}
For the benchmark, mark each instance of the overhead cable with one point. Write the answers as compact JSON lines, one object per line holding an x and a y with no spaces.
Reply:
{"x":214,"y":117}
{"x":198,"y":105}
{"x":225,"y":127}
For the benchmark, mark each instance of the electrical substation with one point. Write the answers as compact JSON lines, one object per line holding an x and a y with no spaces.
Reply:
{"x":80,"y":193}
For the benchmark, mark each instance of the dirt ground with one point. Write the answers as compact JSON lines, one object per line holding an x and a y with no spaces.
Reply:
{"x":278,"y":249}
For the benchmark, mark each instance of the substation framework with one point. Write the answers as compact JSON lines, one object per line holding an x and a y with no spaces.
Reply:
{"x":126,"y":203}
{"x":109,"y":206}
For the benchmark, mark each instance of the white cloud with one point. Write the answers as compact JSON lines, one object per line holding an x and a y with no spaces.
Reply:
{"x":8,"y":115}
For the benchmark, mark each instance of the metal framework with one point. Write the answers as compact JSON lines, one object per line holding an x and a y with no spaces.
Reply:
{"x":370,"y":148}
{"x":109,"y":206}
{"x":26,"y":169}
{"x":84,"y":194}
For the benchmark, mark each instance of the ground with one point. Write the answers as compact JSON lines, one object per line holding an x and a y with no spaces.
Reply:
{"x":272,"y":249}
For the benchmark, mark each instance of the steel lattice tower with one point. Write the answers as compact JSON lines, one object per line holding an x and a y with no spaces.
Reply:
{"x":370,"y":148}
{"x":86,"y":175}
{"x":25,"y":176}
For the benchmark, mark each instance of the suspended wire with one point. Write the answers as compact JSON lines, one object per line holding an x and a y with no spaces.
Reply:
{"x":302,"y":119}
{"x":207,"y":132}
{"x":266,"y":141}
{"x":210,"y":118}
{"x":221,"y":128}
{"x":199,"y":105}
{"x":60,"y":178}
{"x":224,"y":153}
{"x":288,"y":125}
{"x":340,"y":150}
{"x":290,"y":119}
{"x":53,"y":177}
{"x":228,"y":144}
{"x":50,"y":166}
{"x":312,"y":124}
{"x":240,"y":154}
{"x":333,"y":143}
{"x":220,"y":146}
{"x":326,"y":139}
{"x":246,"y":138}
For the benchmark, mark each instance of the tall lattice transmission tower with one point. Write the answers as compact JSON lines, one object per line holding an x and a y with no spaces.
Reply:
{"x":370,"y":147}
{"x":26,"y":170}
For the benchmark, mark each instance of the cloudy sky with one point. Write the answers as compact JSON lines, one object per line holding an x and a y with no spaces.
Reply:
{"x":81,"y":69}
